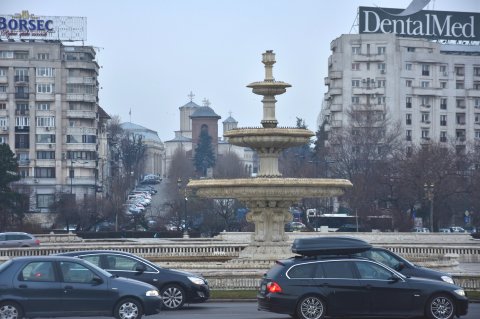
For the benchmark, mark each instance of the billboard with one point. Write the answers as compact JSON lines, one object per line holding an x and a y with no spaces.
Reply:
{"x":26,"y":26}
{"x":434,"y":25}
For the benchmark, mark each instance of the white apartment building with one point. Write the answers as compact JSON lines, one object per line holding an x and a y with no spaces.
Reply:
{"x":433,"y":89}
{"x":50,"y":117}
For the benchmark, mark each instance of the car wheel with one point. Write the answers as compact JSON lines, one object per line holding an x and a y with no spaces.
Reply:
{"x":311,"y":307}
{"x":10,"y":310}
{"x":128,"y":309}
{"x":173,"y":297}
{"x":440,"y":307}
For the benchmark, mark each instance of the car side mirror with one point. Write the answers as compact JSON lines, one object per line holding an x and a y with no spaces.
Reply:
{"x":393,"y":279}
{"x":97,"y":280}
{"x":140,"y":267}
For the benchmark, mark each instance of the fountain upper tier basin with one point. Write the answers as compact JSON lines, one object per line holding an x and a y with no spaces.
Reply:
{"x":279,"y":189}
{"x":258,"y":138}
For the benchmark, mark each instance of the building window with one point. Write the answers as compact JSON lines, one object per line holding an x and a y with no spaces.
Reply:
{"x":477,"y":134}
{"x":459,"y":70}
{"x":6,"y":54}
{"x":3,"y":106}
{"x":80,"y":88}
{"x":443,"y":136}
{"x":45,"y":87}
{"x":22,"y":141}
{"x":408,"y":118}
{"x":460,"y":103}
{"x":355,"y":50}
{"x":425,"y":69}
{"x":45,"y":155}
{"x":477,"y":118}
{"x":425,"y":84}
{"x":3,"y":89}
{"x":381,"y":67}
{"x":476,"y":71}
{"x":381,"y":83}
{"x":355,"y":100}
{"x":83,"y":155}
{"x":425,"y":101}
{"x":443,"y":70}
{"x":45,"y":121}
{"x":22,"y":121}
{"x":44,"y":172}
{"x":410,"y":49}
{"x":459,"y":85}
{"x":355,"y":83}
{"x":443,"y":103}
{"x":425,"y":117}
{"x":43,"y":106}
{"x":409,"y":135}
{"x":43,"y":56}
{"x":443,"y":84}
{"x":476,"y":85}
{"x":426,"y":134}
{"x":74,"y":138}
{"x":3,"y":139}
{"x":20,"y":55}
{"x":356,"y":66}
{"x":45,"y":72}
{"x":477,"y":103}
{"x":408,"y":102}
{"x":3,"y":71}
{"x":89,"y":139}
{"x":443,"y":120}
{"x":3,"y":122}
{"x":45,"y":200}
{"x":45,"y":138}
{"x":381,"y":99}
{"x":381,"y":50}
{"x":408,"y":67}
{"x":408,"y":83}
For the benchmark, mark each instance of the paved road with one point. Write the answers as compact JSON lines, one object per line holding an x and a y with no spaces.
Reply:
{"x":243,"y":310}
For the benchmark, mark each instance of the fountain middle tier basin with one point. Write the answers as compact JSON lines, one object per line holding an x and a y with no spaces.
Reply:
{"x":258,"y":138}
{"x":271,"y":189}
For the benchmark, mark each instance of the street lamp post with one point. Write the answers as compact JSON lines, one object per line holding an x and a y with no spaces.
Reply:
{"x":185,"y":199}
{"x":429,"y":193}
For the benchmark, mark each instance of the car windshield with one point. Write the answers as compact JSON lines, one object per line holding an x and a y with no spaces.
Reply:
{"x":5,"y":265}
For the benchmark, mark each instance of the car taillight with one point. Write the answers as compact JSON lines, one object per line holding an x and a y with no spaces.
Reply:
{"x":273,"y":287}
{"x":37,"y":242}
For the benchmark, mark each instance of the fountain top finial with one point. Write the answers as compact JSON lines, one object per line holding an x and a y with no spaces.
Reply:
{"x":268,"y":58}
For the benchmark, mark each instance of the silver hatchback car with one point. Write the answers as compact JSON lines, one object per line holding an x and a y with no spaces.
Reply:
{"x":18,"y":239}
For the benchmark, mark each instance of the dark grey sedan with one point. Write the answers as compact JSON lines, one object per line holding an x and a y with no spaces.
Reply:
{"x":56,"y":286}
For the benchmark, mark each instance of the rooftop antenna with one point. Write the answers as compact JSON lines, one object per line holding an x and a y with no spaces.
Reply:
{"x":355,"y":23}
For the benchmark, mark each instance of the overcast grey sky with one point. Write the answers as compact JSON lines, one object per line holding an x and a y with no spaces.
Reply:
{"x":153,"y":53}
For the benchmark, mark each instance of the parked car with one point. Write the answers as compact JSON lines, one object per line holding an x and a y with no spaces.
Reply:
{"x":404,"y":266}
{"x":295,"y":227}
{"x":176,"y":287}
{"x":151,"y":179}
{"x":444,"y":230}
{"x":312,"y":287}
{"x":420,"y":230}
{"x":58,"y":286}
{"x":18,"y":239}
{"x":351,"y":246}
{"x":457,"y":229}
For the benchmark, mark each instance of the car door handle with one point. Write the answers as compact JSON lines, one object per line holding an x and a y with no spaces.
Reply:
{"x":23,"y":286}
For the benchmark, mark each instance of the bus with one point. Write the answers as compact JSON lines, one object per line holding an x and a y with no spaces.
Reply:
{"x":349,"y":223}
{"x":333,"y":222}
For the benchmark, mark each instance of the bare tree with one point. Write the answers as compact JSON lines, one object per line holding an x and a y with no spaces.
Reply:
{"x":229,"y":165}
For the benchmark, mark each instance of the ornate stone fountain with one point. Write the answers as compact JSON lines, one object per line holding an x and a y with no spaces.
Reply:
{"x":269,"y":196}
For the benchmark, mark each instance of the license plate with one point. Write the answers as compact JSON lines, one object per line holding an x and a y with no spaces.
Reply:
{"x":263,"y":288}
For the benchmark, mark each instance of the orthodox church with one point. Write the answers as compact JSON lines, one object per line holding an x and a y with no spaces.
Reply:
{"x":193,"y":119}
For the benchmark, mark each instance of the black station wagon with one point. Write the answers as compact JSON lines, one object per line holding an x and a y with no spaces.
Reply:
{"x":336,"y":283}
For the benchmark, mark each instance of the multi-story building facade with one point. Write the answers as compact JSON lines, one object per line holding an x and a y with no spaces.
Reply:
{"x":50,"y":117}
{"x":432,"y":89}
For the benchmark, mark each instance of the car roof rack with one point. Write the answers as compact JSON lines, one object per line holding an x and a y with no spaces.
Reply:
{"x":329,"y":246}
